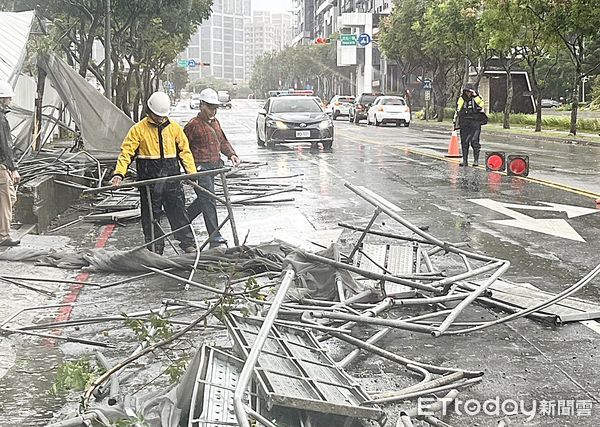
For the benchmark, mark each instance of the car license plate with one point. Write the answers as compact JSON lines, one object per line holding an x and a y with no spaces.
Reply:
{"x":302,"y":134}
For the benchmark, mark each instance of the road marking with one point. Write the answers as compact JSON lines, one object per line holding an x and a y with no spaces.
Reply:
{"x":592,"y":324}
{"x":554,"y":227}
{"x":564,"y":187}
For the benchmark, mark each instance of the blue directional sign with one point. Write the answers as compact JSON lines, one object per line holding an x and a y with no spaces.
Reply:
{"x":192,"y":63}
{"x":364,"y":39}
{"x":427,"y":84}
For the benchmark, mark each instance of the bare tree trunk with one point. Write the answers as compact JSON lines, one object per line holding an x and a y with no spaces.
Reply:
{"x":575,"y":101}
{"x":538,"y":108}
{"x":509,"y":98}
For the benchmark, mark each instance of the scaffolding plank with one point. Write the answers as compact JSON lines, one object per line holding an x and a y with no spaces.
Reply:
{"x":212,"y":397}
{"x":523,"y":295}
{"x":298,"y":373}
{"x":401,"y":260}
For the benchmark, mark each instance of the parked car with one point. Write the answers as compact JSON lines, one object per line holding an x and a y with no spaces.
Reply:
{"x":360,"y":106}
{"x":224,"y":99}
{"x":293,"y":119}
{"x":339,"y":106}
{"x":195,"y":102}
{"x":550,"y":103}
{"x":389,"y":109}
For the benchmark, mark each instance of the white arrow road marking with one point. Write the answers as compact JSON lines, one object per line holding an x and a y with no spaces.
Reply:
{"x":554,"y":227}
{"x":572,"y":211}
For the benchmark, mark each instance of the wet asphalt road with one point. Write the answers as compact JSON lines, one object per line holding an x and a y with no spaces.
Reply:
{"x":407,"y":166}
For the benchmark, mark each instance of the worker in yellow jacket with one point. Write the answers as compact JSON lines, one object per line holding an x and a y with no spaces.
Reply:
{"x":468,"y":117}
{"x":159,"y":146}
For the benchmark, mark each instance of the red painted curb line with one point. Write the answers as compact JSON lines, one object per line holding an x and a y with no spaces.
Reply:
{"x":64,"y":313}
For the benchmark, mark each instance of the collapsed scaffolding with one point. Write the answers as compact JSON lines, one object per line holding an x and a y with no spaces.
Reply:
{"x":298,"y":301}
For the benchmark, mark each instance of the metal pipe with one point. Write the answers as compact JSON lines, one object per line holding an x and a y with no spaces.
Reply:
{"x":236,"y":239}
{"x":399,"y":324}
{"x":469,"y":299}
{"x":172,"y":178}
{"x":526,"y":311}
{"x":444,"y":380}
{"x":205,"y":191}
{"x":364,"y":233}
{"x":26,"y":286}
{"x":402,"y":360}
{"x":250,"y":364}
{"x":151,"y":214}
{"x":41,"y":279}
{"x":384,"y":234}
{"x":465,"y":383}
{"x":432,"y":300}
{"x":465,"y":275}
{"x":113,"y":395}
{"x":350,"y":357}
{"x":258,"y":417}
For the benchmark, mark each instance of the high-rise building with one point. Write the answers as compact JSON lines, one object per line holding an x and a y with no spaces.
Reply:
{"x":266,"y":32}
{"x":220,"y":42}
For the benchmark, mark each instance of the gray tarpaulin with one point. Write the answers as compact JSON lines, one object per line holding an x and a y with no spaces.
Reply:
{"x":103,"y":126}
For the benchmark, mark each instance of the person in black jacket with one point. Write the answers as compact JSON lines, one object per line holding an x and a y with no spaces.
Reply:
{"x":468,"y":117}
{"x":9,"y":176}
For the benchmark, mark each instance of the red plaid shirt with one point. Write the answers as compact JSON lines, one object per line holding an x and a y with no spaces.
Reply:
{"x":207,"y":140}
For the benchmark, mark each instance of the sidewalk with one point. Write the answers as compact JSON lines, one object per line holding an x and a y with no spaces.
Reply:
{"x":516,"y":131}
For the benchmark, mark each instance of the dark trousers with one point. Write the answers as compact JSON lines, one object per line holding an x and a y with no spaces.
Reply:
{"x":470,"y":132}
{"x":205,"y":204}
{"x":167,"y":196}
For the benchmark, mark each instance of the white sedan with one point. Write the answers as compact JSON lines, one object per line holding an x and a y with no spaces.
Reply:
{"x":389,"y":109}
{"x":339,"y":106}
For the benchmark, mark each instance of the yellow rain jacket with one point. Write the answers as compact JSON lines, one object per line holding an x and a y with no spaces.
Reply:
{"x":157,"y":148}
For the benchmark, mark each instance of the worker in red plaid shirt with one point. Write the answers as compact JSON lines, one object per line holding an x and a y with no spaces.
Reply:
{"x":208,"y":142}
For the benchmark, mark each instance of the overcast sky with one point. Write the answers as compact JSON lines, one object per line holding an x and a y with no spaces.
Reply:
{"x":275,"y":5}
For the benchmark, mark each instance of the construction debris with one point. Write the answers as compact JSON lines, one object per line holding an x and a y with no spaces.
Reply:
{"x":278,"y":307}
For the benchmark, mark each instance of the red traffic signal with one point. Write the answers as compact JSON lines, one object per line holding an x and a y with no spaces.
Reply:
{"x":322,"y":40}
{"x":495,"y":161}
{"x":517,"y":165}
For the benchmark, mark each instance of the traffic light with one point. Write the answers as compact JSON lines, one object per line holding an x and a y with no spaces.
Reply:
{"x":495,"y":161}
{"x":517,"y":165}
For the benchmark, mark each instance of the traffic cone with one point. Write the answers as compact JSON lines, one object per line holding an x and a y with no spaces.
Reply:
{"x":453,"y":148}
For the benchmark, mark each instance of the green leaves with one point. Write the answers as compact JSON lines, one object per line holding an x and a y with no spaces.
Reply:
{"x":74,"y":375}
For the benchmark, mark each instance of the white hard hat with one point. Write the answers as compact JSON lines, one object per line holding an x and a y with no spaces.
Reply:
{"x":209,"y":96}
{"x":6,"y":90}
{"x":159,"y":103}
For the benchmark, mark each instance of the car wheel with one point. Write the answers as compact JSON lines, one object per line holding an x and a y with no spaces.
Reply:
{"x":399,"y":123}
{"x":356,"y":120}
{"x":259,"y":141}
{"x":406,"y":124}
{"x":327,"y":145}
{"x":377,"y":122}
{"x":350,"y":118}
{"x":335,"y":115}
{"x":270,"y":144}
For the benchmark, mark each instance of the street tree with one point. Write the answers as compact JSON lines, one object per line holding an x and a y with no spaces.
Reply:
{"x":576,"y":23}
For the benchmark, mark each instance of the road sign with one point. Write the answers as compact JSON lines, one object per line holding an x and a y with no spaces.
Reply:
{"x":182,"y":63}
{"x":364,"y":39}
{"x":427,"y":84}
{"x":192,"y":63}
{"x":348,"y":39}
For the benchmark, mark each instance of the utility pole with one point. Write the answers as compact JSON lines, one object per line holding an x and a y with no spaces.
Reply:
{"x":107,"y":54}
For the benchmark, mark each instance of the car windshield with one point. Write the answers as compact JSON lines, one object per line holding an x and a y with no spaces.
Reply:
{"x":392,"y":101}
{"x":293,"y":105}
{"x":367,"y":99}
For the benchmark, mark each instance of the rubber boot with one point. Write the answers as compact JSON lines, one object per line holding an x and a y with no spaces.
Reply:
{"x":475,"y":157}
{"x":465,"y":161}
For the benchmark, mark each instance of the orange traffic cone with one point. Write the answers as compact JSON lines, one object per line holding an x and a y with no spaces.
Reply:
{"x":453,"y":148}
